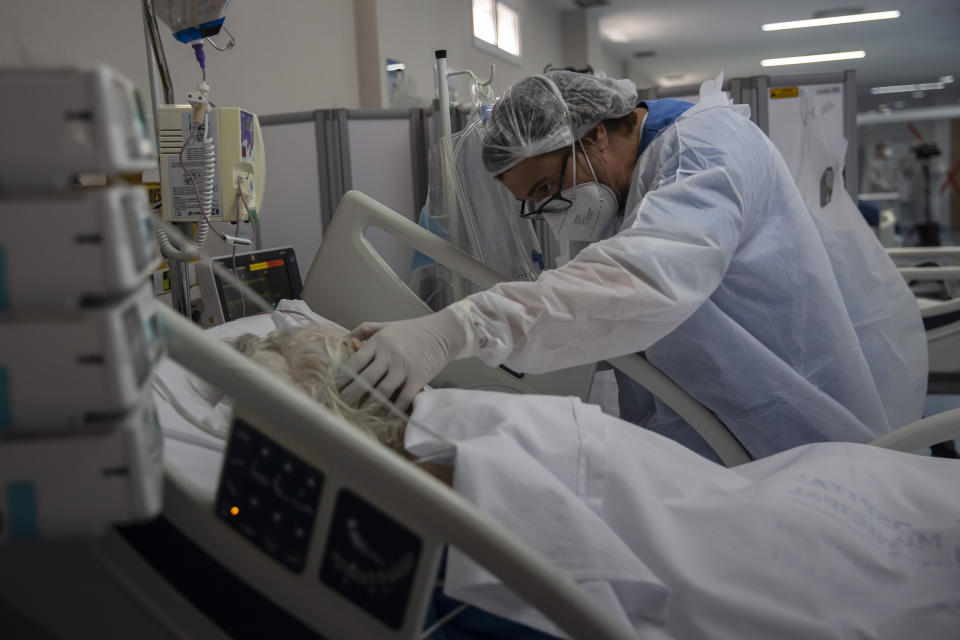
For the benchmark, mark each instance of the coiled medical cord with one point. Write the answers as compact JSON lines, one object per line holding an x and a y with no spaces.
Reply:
{"x":204,"y":201}
{"x":207,"y":178}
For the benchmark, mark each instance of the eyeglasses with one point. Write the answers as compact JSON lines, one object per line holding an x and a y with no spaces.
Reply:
{"x":554,"y":204}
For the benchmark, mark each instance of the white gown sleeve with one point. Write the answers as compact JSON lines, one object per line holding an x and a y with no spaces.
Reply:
{"x":619,"y":295}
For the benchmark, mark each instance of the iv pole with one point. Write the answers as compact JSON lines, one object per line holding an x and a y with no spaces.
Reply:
{"x":158,"y":71}
{"x":448,"y":193}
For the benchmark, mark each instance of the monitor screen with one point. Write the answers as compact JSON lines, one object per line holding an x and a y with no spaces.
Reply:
{"x":273,"y":274}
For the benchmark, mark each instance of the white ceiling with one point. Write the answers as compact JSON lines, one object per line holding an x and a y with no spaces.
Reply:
{"x":698,"y":38}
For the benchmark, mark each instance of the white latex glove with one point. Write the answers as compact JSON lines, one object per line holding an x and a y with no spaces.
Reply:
{"x":407,"y":354}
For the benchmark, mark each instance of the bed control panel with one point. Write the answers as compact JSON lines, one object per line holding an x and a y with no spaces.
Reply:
{"x":370,"y":558}
{"x":268,"y":495}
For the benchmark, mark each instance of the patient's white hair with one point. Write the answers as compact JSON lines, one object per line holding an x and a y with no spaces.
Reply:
{"x":308,"y":356}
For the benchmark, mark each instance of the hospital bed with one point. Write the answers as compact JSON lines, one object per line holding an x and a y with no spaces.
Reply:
{"x":207,"y":569}
{"x":192,"y":574}
{"x":941,"y":318}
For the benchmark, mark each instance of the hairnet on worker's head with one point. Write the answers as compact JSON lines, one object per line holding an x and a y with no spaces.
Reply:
{"x":530,"y":118}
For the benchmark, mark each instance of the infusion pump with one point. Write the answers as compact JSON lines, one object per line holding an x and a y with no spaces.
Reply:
{"x":80,"y":447}
{"x":227,"y":150}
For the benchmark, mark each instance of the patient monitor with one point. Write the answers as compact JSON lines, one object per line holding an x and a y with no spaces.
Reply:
{"x":272,"y":273}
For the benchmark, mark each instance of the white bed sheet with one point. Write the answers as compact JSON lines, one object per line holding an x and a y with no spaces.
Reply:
{"x":829,"y":540}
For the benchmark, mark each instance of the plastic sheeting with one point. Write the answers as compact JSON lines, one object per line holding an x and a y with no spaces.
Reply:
{"x":481,"y":219}
{"x":881,"y":307}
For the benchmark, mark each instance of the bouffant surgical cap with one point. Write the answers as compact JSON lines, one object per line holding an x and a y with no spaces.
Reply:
{"x":530,"y":118}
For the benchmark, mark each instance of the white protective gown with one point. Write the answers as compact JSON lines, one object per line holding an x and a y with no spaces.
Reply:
{"x":721,"y":275}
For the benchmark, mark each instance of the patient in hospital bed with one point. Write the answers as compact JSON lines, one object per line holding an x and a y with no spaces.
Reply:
{"x":825,"y":540}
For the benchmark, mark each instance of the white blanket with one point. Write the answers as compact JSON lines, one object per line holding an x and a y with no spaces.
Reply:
{"x":828,"y":540}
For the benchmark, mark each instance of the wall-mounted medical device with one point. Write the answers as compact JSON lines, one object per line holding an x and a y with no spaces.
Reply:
{"x":224,"y":154}
{"x":100,"y":248}
{"x":77,"y":369}
{"x":272,"y":273}
{"x":60,"y":125}
{"x":79,"y":444}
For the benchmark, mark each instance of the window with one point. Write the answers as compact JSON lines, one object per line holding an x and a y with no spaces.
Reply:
{"x":496,"y":27}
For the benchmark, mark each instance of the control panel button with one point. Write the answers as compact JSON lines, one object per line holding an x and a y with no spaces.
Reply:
{"x":268,"y":495}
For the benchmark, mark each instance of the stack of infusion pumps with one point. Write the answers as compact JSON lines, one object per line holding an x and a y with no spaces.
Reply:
{"x":80,"y":446}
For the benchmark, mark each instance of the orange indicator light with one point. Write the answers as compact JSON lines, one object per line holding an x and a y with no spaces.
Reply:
{"x":234,"y":511}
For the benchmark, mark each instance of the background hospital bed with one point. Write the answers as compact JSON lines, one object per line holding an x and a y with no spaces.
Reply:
{"x":350,"y":283}
{"x":941,"y":318}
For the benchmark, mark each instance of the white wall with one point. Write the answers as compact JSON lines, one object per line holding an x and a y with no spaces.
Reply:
{"x":411,"y":30}
{"x":613,"y":65}
{"x":600,"y":58}
{"x":291,"y":55}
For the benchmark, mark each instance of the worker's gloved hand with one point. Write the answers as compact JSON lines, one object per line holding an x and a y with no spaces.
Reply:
{"x":405,"y":355}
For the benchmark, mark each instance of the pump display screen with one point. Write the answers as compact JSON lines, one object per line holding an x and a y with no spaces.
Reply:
{"x":273,"y":274}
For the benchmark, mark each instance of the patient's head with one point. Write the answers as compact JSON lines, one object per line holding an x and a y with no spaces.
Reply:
{"x":308,"y":356}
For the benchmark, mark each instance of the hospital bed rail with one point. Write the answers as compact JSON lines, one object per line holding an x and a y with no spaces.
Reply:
{"x":349,"y":459}
{"x":376,"y":293}
{"x":930,"y":273}
{"x":923,"y":433}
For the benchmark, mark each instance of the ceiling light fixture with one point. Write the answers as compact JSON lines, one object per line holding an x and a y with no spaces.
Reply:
{"x":614,"y":35}
{"x":820,"y":57}
{"x":822,"y":22}
{"x":908,"y":88}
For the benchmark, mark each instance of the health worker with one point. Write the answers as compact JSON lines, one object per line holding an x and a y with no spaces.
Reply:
{"x":700,"y":253}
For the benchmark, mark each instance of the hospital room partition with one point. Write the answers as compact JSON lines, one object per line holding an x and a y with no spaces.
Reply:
{"x":317,"y":156}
